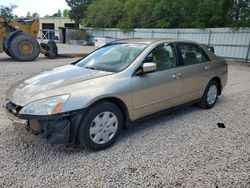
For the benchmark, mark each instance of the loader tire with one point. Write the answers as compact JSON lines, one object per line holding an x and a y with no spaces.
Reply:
{"x":51,"y":50}
{"x":24,"y":48}
{"x":7,"y":52}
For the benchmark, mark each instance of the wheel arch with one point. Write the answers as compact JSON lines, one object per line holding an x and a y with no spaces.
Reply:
{"x":218,"y":80}
{"x":119,"y":103}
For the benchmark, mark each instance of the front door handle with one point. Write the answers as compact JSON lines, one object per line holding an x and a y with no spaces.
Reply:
{"x":176,"y":75}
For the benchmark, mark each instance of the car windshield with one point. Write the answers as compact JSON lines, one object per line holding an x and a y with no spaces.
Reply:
{"x":113,"y":57}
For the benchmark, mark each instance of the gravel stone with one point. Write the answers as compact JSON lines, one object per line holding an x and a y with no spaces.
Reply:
{"x":184,"y":148}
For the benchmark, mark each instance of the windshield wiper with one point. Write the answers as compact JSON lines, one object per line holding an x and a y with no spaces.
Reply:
{"x":88,"y":67}
{"x":97,"y":68}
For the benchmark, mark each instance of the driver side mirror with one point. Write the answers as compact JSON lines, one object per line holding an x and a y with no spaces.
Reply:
{"x":148,"y":67}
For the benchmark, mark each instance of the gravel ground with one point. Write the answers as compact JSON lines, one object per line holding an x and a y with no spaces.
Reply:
{"x":182,"y":149}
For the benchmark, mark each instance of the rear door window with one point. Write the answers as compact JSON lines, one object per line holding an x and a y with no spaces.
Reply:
{"x":192,"y":54}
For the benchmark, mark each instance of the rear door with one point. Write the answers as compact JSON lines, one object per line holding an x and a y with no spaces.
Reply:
{"x":197,"y":70}
{"x":161,"y":89}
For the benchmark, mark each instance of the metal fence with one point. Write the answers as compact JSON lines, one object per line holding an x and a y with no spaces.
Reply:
{"x":48,"y":34}
{"x":228,"y":43}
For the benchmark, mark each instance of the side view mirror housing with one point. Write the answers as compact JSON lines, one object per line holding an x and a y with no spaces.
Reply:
{"x":147,"y":68}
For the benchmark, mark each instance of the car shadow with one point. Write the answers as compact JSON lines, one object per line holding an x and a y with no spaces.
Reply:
{"x":158,"y":119}
{"x":8,"y":59}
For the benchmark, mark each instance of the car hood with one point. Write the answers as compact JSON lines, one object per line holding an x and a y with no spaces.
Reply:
{"x":58,"y":77}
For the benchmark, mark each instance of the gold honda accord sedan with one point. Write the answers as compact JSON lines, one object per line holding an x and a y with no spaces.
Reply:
{"x":91,"y":100}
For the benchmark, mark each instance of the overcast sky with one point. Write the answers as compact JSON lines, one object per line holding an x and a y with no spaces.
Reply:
{"x":42,"y":7}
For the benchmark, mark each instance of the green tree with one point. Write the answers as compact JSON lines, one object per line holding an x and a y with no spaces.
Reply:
{"x":137,"y":13}
{"x":128,"y":14}
{"x":58,"y":14}
{"x":212,"y":13}
{"x":28,"y":15}
{"x":35,"y":15}
{"x":240,"y":14}
{"x":65,"y":13}
{"x":169,"y":14}
{"x":78,"y":9}
{"x":7,"y":11}
{"x":104,"y":13}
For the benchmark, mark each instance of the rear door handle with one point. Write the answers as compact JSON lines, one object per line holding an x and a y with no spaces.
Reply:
{"x":176,"y":75}
{"x":207,"y":67}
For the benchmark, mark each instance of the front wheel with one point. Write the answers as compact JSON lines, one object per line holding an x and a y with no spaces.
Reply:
{"x":210,"y":95}
{"x":8,"y":53}
{"x":100,"y":126}
{"x":24,"y":48}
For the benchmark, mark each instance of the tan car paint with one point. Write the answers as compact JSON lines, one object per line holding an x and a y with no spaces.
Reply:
{"x":155,"y":91}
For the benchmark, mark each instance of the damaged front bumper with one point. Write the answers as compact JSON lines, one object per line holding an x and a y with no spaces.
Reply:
{"x":57,"y":129}
{"x":15,"y":120}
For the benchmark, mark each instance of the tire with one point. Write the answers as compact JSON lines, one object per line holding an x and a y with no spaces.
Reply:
{"x":95,"y":133}
{"x":8,"y":41}
{"x":10,"y":37}
{"x":51,"y":49}
{"x":210,"y":95}
{"x":24,"y":48}
{"x":8,"y":53}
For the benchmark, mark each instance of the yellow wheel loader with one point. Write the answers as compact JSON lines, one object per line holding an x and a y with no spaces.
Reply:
{"x":18,"y":40}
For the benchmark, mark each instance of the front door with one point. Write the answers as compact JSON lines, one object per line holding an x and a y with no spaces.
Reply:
{"x":161,"y":89}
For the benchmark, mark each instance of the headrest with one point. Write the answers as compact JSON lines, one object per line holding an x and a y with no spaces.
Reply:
{"x":161,"y":52}
{"x":190,"y":55}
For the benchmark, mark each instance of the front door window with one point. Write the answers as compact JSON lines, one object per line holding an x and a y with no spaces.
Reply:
{"x":164,"y":57}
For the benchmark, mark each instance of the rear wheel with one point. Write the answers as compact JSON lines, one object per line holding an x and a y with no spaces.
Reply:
{"x":210,"y":95}
{"x":100,"y":126}
{"x":51,"y":50}
{"x":24,"y":48}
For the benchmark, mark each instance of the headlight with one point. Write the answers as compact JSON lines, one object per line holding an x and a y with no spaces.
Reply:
{"x":48,"y":106}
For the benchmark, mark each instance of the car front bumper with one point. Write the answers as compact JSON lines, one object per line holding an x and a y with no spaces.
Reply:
{"x":57,"y":129}
{"x":15,"y":120}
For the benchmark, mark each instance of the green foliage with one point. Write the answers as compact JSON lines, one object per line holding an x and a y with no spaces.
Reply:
{"x":240,"y":13}
{"x":170,"y":14}
{"x":7,"y":11}
{"x":137,"y":14}
{"x":128,"y":14}
{"x":65,"y":13}
{"x":212,"y":13}
{"x":35,"y":15}
{"x":58,"y":14}
{"x":104,"y":13}
{"x":55,"y":15}
{"x":78,"y":9}
{"x":28,"y":15}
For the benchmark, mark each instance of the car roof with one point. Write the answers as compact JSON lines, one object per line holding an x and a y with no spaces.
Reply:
{"x":150,"y":40}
